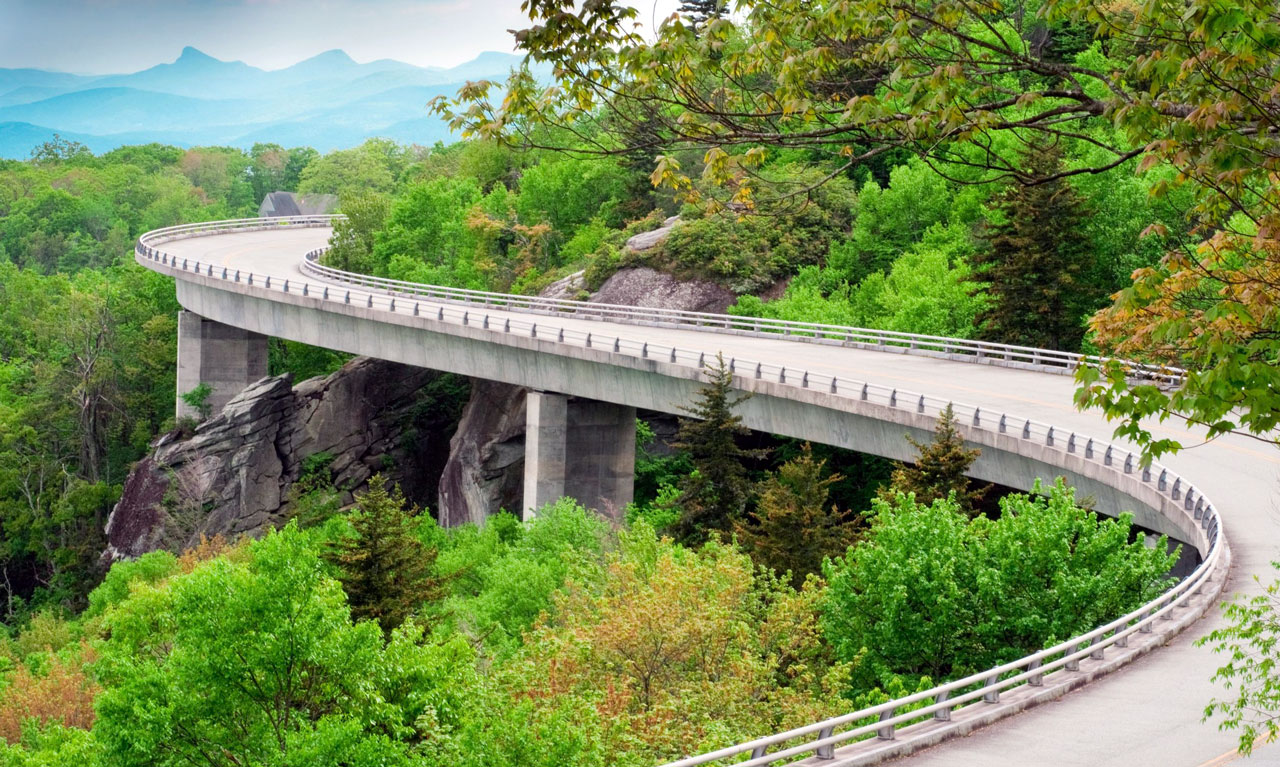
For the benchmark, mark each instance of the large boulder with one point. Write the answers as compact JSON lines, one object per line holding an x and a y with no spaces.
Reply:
{"x":642,"y":286}
{"x":232,"y":476}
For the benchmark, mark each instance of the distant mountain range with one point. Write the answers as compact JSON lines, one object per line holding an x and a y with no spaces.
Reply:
{"x":328,"y":102}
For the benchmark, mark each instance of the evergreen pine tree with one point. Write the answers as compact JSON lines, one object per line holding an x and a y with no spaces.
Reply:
{"x":384,"y":568}
{"x":1037,"y":263}
{"x":699,"y":12}
{"x":793,"y":527}
{"x":940,"y":468}
{"x":716,"y":492}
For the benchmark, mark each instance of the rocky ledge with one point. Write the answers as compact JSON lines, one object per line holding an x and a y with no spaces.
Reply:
{"x":232,"y":476}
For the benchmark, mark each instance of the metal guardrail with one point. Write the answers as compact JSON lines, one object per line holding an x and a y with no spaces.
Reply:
{"x":880,"y":721}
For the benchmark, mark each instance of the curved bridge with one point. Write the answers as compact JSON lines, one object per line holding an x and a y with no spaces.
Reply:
{"x":826,"y":384}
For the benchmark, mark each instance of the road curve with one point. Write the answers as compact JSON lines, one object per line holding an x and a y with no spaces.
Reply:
{"x":1147,"y":713}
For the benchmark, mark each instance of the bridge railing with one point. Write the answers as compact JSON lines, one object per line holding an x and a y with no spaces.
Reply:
{"x":872,"y":723}
{"x":888,"y":340}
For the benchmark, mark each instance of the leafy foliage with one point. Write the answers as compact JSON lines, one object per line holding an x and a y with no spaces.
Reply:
{"x":1250,"y":641}
{"x":932,"y":594}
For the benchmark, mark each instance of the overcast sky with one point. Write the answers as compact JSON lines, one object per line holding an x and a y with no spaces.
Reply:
{"x":116,"y":36}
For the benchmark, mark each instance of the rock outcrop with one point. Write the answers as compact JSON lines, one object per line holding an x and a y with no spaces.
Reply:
{"x":642,"y":286}
{"x":485,"y":472}
{"x":231,"y":477}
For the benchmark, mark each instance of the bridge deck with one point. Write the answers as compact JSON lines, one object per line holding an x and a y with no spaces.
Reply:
{"x":1146,"y":714}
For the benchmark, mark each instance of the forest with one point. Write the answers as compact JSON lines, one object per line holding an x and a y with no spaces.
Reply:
{"x":756,"y":584}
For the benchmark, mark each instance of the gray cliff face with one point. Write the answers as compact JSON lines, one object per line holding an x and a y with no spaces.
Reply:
{"x":485,"y":472}
{"x":232,"y":476}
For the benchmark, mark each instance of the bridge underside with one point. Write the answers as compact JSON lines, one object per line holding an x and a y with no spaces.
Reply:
{"x":627,"y":382}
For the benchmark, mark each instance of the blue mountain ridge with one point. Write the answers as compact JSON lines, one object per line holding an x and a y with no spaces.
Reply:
{"x":328,"y":101}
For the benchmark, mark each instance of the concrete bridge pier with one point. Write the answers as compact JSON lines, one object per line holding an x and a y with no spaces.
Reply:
{"x":581,"y":448}
{"x":225,"y":357}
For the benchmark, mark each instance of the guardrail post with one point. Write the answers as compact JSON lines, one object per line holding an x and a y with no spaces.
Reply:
{"x":759,"y":751}
{"x":1035,"y":680}
{"x":224,"y":272}
{"x":466,"y":316}
{"x":415,"y":308}
{"x":1071,"y":443}
{"x":617,"y":344}
{"x":1128,"y":464}
{"x":484,"y":324}
{"x":440,"y":314}
{"x":347,"y":299}
{"x":833,"y":384}
{"x":782,"y":374}
{"x":210,"y":270}
{"x":702,"y":360}
{"x":326,"y":293}
{"x":1147,"y":628}
{"x":369,"y":303}
{"x":588,"y":340}
{"x":991,"y":696}
{"x":1163,"y":482}
{"x":886,"y":732}
{"x":942,"y":714}
{"x":1048,"y":438}
{"x":977,"y":416}
{"x":1088,"y":449}
{"x":1098,"y":652}
{"x":560,"y":336}
{"x":1106,"y":457}
{"x":305,"y":292}
{"x":732,"y":364}
{"x":804,"y":380}
{"x":250,"y":276}
{"x":1074,"y":665}
{"x":644,"y":351}
{"x":267,"y":285}
{"x":864,"y":392}
{"x":920,"y":405}
{"x":1026,"y":430}
{"x":1003,"y":420}
{"x":1121,"y":640}
{"x":1146,"y":473}
{"x":827,"y":751}
{"x":237,"y":275}
{"x":893,"y":398}
{"x":1191,"y":494}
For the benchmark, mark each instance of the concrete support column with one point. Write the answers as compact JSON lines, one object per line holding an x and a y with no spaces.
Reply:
{"x":546,"y":431}
{"x":579,"y":448}
{"x":226,"y":358}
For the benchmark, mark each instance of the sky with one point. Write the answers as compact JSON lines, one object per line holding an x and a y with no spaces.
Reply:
{"x":121,"y":36}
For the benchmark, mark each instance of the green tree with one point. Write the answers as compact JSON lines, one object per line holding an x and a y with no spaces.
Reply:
{"x":793,"y":529}
{"x":198,"y":399}
{"x":258,"y":662}
{"x":940,"y":469}
{"x":716,"y":492}
{"x":385,"y":570}
{"x":351,"y":246}
{"x":1251,"y":643}
{"x":1037,"y":265}
{"x":931,"y":593}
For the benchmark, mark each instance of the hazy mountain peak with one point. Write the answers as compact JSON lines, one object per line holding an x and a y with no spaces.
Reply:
{"x":337,"y":56}
{"x":192,"y":55}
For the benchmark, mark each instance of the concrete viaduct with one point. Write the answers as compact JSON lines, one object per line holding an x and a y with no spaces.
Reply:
{"x":590,"y":366}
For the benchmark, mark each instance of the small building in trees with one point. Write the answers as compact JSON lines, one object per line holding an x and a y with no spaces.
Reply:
{"x":281,"y":204}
